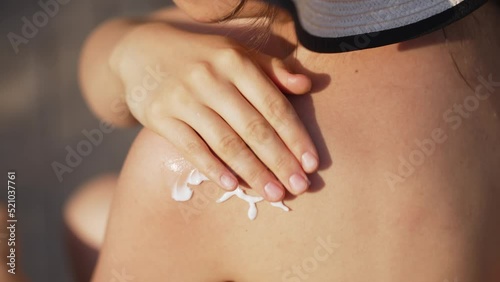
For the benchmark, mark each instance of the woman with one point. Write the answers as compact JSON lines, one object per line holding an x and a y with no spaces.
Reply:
{"x":408,"y":136}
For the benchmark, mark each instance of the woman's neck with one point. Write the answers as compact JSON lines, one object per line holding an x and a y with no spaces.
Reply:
{"x":472,"y":42}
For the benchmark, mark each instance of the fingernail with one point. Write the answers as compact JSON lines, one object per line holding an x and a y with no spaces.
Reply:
{"x":309,"y":162}
{"x":273,"y":191}
{"x":298,"y":183}
{"x":228,"y":181}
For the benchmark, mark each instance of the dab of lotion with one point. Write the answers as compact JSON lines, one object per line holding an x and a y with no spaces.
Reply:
{"x":181,"y":193}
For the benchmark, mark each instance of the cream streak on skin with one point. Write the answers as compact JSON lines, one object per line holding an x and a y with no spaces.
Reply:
{"x":181,"y":191}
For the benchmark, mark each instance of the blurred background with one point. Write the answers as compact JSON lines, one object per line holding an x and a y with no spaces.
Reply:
{"x":41,"y":113}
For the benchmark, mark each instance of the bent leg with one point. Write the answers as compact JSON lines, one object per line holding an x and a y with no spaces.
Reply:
{"x":85,"y":217}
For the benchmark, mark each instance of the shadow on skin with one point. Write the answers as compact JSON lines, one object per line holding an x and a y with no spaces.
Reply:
{"x":307,"y":115}
{"x":306,"y":112}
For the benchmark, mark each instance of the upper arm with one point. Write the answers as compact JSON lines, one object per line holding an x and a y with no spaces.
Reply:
{"x":101,"y":87}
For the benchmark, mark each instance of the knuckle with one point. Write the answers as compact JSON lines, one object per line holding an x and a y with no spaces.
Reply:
{"x":254,"y":175}
{"x":282,"y":162}
{"x":156,"y":111}
{"x":193,"y":147}
{"x":211,"y":169}
{"x":163,"y":106}
{"x":230,"y":56}
{"x":259,"y":131}
{"x":232,"y":145}
{"x":280,"y":110}
{"x":200,"y":71}
{"x":297,"y":145}
{"x":240,"y":160}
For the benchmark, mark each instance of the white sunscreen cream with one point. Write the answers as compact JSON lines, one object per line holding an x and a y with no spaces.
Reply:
{"x":181,"y":191}
{"x":251,"y":200}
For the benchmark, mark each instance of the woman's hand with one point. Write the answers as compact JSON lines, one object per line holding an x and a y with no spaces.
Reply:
{"x":218,"y":104}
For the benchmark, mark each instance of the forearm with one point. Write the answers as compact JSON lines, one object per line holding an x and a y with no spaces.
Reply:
{"x":101,"y":87}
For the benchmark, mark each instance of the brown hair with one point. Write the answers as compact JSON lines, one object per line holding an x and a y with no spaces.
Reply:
{"x":234,"y":12}
{"x":260,"y":28}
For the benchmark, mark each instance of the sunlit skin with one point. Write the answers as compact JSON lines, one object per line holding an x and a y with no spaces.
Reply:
{"x":365,"y":111}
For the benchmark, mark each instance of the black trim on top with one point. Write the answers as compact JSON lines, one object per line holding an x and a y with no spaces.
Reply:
{"x":380,"y":38}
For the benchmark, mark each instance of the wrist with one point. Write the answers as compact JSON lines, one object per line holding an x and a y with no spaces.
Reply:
{"x":119,"y":50}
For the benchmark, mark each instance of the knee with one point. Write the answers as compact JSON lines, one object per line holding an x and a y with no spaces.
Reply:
{"x":86,"y":211}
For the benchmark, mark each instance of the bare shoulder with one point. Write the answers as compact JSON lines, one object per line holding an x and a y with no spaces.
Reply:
{"x":196,"y":240}
{"x":147,"y":229}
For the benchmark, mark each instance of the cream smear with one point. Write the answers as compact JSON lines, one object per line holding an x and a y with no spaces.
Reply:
{"x":181,"y":192}
{"x":251,"y":200}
